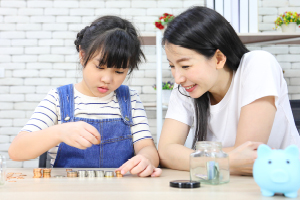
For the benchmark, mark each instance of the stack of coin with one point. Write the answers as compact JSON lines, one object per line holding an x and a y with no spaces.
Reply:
{"x":99,"y":173}
{"x":81,"y":173}
{"x":37,"y":173}
{"x":109,"y":174}
{"x":118,"y":174}
{"x":47,"y":173}
{"x":71,"y":174}
{"x":90,"y":173}
{"x":67,"y":170}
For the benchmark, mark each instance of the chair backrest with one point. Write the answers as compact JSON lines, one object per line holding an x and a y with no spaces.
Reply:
{"x":44,"y":161}
{"x":295,"y":105}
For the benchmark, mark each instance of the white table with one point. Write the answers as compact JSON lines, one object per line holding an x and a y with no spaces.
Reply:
{"x":128,"y":187}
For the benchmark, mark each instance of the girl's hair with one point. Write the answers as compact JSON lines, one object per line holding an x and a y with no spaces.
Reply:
{"x":204,"y":30}
{"x":115,"y":39}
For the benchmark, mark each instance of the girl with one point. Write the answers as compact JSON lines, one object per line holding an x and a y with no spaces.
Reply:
{"x":231,"y":95}
{"x":97,"y":122}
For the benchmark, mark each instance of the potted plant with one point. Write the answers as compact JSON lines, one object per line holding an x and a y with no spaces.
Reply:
{"x":288,"y":21}
{"x":167,"y":88}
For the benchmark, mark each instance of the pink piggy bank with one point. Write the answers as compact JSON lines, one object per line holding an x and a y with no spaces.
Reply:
{"x":277,"y":171}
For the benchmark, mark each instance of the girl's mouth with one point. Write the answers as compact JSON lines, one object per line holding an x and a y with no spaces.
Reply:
{"x":102,"y":90}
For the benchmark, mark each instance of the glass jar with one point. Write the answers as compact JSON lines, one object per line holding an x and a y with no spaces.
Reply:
{"x":2,"y":170}
{"x":209,"y":164}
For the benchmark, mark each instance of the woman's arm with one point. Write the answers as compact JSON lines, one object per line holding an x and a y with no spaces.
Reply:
{"x":172,"y":152}
{"x":256,"y":121}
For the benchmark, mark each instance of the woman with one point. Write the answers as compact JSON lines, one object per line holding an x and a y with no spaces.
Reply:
{"x":231,"y":95}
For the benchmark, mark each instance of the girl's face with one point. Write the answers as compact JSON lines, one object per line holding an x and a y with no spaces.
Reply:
{"x":193,"y":71}
{"x":99,"y":81}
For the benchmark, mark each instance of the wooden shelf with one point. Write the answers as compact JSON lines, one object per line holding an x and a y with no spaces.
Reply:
{"x":247,"y":38}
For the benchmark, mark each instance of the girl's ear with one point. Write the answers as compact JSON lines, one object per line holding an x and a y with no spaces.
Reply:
{"x":221,"y":59}
{"x":81,"y":55}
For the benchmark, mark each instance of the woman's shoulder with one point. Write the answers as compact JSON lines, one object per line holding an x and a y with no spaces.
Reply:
{"x":258,"y":55}
{"x":259,"y":61}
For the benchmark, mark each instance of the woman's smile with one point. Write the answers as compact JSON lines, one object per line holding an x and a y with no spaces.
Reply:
{"x":190,"y":88}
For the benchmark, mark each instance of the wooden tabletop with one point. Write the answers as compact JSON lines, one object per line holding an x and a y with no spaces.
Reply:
{"x":128,"y":187}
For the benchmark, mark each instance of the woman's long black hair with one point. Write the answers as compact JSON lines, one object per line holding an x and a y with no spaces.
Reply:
{"x":204,"y":30}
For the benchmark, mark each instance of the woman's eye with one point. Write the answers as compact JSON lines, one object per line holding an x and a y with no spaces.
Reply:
{"x":171,"y":66}
{"x":118,"y":72}
{"x":184,"y":67}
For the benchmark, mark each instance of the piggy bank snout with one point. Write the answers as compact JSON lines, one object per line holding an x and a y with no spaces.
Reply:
{"x":279,"y":176}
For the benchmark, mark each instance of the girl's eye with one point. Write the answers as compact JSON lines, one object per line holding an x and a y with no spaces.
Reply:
{"x":171,"y":66}
{"x":184,"y":67}
{"x":118,"y":72}
{"x":99,"y":67}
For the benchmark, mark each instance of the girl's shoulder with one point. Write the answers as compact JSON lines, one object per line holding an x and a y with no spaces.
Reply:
{"x":133,"y":92}
{"x":53,"y":94}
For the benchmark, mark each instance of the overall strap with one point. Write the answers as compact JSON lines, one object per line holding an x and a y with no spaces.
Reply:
{"x":123,"y":96}
{"x":66,"y":102}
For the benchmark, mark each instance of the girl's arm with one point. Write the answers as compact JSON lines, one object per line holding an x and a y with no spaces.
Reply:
{"x":145,"y":162}
{"x":29,"y":145}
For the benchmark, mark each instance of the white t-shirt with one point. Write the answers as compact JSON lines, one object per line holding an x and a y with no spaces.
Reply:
{"x":258,"y":75}
{"x":47,"y":113}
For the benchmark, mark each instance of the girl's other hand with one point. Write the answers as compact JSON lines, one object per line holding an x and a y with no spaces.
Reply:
{"x":79,"y":134}
{"x":242,"y":158}
{"x":141,"y":166}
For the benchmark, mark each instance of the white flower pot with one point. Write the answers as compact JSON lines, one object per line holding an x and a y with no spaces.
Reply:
{"x":166,"y":96}
{"x":290,"y":28}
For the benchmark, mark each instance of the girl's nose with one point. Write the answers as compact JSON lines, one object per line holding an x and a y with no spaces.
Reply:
{"x":106,"y":78}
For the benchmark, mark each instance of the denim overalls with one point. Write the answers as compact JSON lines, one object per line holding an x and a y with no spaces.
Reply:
{"x":116,"y":145}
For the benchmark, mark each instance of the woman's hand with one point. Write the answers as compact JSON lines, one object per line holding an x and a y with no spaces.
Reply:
{"x":141,"y":166}
{"x":242,"y":158}
{"x":78,"y":134}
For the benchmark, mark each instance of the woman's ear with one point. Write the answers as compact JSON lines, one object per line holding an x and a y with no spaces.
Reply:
{"x":221,"y":59}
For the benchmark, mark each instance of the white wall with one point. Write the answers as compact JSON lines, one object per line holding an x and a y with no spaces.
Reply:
{"x":37,"y":51}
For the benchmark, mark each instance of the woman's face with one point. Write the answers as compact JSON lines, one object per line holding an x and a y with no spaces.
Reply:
{"x":193,"y":71}
{"x":99,"y":81}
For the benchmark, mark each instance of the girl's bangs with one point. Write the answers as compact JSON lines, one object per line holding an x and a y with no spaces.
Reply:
{"x":117,"y":50}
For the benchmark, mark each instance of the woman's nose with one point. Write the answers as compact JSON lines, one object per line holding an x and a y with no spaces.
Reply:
{"x":178,"y":76}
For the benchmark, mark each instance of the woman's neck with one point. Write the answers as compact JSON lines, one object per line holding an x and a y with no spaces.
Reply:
{"x":222,"y":86}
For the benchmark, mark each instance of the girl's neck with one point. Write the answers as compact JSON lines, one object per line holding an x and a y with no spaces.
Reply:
{"x":222,"y":86}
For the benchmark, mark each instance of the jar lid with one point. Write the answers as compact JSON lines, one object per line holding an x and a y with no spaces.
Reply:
{"x":184,"y":184}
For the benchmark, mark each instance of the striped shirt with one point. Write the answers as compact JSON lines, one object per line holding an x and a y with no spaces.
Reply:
{"x":47,"y":113}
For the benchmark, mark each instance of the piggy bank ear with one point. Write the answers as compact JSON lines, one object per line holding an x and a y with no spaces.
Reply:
{"x":292,"y":150}
{"x":263,"y":150}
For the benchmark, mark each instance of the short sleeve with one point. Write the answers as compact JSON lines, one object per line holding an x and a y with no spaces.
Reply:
{"x":181,"y":106}
{"x":46,"y":114}
{"x":261,"y":76}
{"x":140,"y":128}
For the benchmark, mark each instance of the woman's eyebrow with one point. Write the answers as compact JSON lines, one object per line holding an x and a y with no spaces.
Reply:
{"x":181,"y":59}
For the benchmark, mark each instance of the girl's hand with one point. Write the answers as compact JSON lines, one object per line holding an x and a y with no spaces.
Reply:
{"x":141,"y":166}
{"x":78,"y":134}
{"x":242,"y":158}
